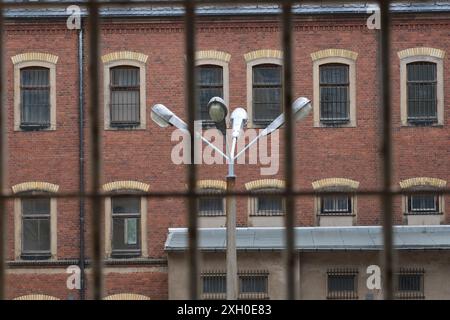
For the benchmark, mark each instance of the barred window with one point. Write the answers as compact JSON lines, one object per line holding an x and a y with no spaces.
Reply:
{"x":211,"y":206}
{"x":125,"y":96}
{"x":267,"y":93}
{"x":266,"y":204}
{"x":422,"y":92}
{"x":210,"y":84}
{"x":36,"y":228}
{"x":126,"y":226}
{"x":214,"y":285}
{"x":410,"y":284}
{"x":423,"y":204}
{"x":253,"y":285}
{"x":334,"y":93}
{"x":342,"y":284}
{"x":35,"y":97}
{"x":336,"y":205}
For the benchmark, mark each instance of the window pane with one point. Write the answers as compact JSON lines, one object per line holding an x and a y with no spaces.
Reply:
{"x":36,"y":206}
{"x":35,"y":96}
{"x":334,"y":92}
{"x":341,"y":283}
{"x":270,"y":204}
{"x":36,"y":235}
{"x":336,"y":204}
{"x":253,"y":284}
{"x":131,"y":231}
{"x":267,"y":93}
{"x":125,"y":76}
{"x":126,"y":205}
{"x":214,"y":284}
{"x":422,"y":91}
{"x":409,"y":282}
{"x":125,"y":96}
{"x":423,"y":203}
{"x":209,"y":85}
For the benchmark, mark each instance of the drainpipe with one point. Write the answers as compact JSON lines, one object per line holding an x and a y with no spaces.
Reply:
{"x":81,"y":164}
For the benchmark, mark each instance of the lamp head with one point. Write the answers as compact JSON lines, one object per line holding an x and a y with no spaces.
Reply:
{"x":301,"y":108}
{"x":217,"y":109}
{"x":239,"y":119}
{"x":161,"y":115}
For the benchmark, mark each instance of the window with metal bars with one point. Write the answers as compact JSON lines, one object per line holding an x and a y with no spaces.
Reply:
{"x":211,"y":206}
{"x":334,"y":93}
{"x":410,"y":284}
{"x":126,"y":226}
{"x":35,"y":98}
{"x":209,"y":85}
{"x":36,"y":227}
{"x":267,"y":204}
{"x":125,"y":96}
{"x":423,"y":204}
{"x":252,"y":285}
{"x":342,"y":284}
{"x":267,"y":93}
{"x":422,"y":92}
{"x":336,"y":205}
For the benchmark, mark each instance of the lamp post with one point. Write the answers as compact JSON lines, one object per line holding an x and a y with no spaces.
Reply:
{"x":218,"y":112}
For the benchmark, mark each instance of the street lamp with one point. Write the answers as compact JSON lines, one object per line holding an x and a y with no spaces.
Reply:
{"x":218,"y":112}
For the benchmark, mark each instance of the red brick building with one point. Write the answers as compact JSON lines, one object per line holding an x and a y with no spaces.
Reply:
{"x":333,"y":150}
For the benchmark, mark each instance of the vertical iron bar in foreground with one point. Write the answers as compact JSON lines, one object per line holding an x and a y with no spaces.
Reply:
{"x":3,"y":161}
{"x":289,"y":152}
{"x":190,"y":99}
{"x":387,"y":151}
{"x":94,"y":108}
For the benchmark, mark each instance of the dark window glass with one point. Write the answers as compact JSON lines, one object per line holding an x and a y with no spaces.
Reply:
{"x":334,"y":93}
{"x":126,"y":226}
{"x":339,"y":283}
{"x":410,"y":282}
{"x":336,"y":204}
{"x":211,"y":206}
{"x":125,"y":96}
{"x":35,"y":97}
{"x":422,"y":92}
{"x":36,"y":228}
{"x":209,"y":85}
{"x":267,"y":204}
{"x":423,"y":203}
{"x":267,"y":93}
{"x":214,"y":284}
{"x":253,"y":284}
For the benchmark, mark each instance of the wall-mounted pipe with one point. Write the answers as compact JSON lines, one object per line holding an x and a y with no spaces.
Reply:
{"x":81,"y":159}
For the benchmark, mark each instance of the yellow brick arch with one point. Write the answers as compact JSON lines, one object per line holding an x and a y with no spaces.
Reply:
{"x":265,"y":183}
{"x":124,"y":55}
{"x":36,"y":297}
{"x":335,"y":182}
{"x":422,"y":182}
{"x":35,"y":56}
{"x":334,"y":53}
{"x":126,"y":296}
{"x":263,"y":54}
{"x":126,"y":185}
{"x":35,"y":186}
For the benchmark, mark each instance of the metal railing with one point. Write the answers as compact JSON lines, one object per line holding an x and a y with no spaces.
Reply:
{"x":95,"y":196}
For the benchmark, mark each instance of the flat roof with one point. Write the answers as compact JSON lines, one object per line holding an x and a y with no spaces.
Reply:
{"x":315,"y":238}
{"x":161,"y":10}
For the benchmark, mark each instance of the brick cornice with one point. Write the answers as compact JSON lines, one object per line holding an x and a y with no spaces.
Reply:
{"x":422,"y":182}
{"x":35,"y":186}
{"x":126,"y":185}
{"x":265,"y":183}
{"x":421,"y":51}
{"x":34,"y":56}
{"x":335,"y":182}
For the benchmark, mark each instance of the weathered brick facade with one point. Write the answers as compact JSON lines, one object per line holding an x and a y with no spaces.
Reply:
{"x":144,"y":155}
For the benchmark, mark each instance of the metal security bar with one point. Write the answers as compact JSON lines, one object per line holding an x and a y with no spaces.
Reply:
{"x":95,"y":197}
{"x":410,"y":283}
{"x":342,"y":283}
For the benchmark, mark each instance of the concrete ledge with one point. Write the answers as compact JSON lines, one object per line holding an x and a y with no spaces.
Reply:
{"x":266,"y":221}
{"x":335,"y":221}
{"x":424,"y":219}
{"x":212,"y":222}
